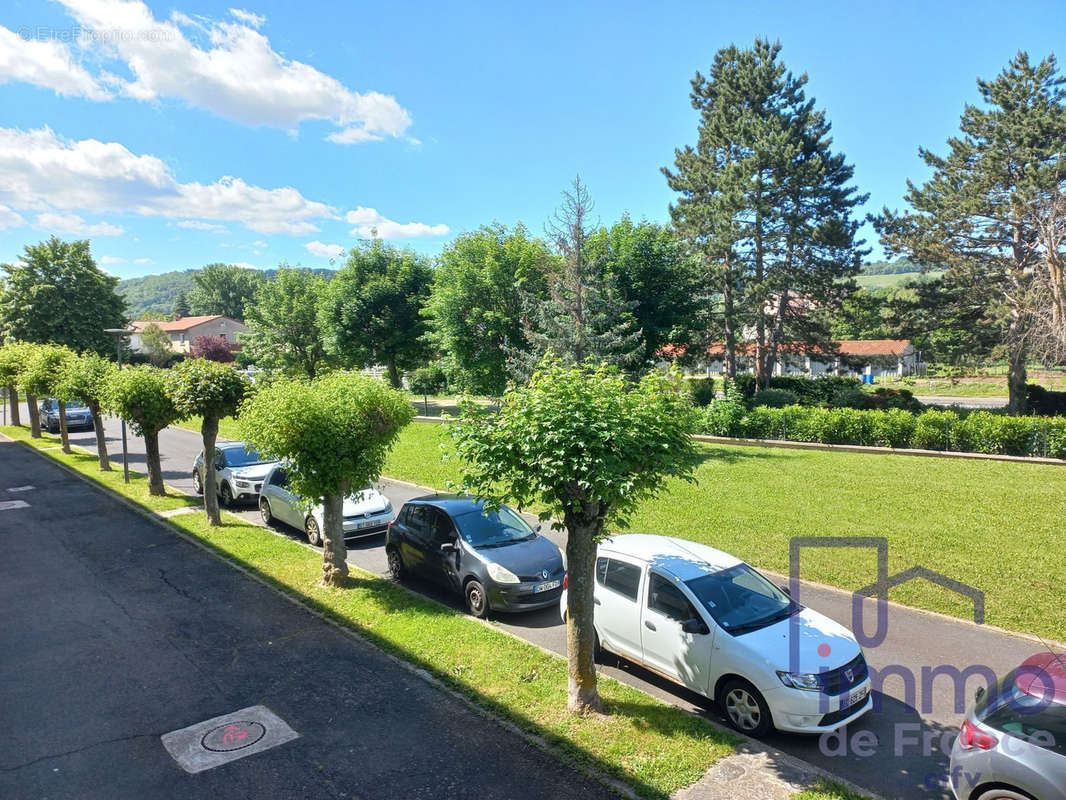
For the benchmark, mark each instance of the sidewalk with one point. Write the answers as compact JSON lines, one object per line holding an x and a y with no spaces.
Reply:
{"x":117,"y":632}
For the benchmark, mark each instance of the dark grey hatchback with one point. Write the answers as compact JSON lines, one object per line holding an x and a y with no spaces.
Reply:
{"x":494,"y":558}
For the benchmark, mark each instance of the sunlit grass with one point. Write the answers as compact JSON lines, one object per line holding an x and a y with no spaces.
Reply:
{"x":828,"y":790}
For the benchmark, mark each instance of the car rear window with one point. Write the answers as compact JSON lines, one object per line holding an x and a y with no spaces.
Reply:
{"x":1036,"y":720}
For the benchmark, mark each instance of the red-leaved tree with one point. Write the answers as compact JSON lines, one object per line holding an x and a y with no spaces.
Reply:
{"x":213,"y":348}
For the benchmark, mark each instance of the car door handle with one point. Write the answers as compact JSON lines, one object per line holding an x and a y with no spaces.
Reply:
{"x":596,"y":600}
{"x":649,"y":624}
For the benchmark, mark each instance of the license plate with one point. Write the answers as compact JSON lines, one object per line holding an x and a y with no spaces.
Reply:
{"x":365,"y":524}
{"x":546,"y":587}
{"x":857,"y":696}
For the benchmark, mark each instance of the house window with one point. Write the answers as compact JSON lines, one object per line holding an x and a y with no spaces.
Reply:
{"x":182,"y":338}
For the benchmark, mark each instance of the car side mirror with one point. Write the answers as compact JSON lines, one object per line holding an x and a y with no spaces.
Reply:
{"x":979,"y":694}
{"x":219,"y":466}
{"x":695,"y":626}
{"x":537,"y":529}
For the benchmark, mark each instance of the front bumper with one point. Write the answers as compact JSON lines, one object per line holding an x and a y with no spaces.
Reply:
{"x":247,"y":490}
{"x":799,"y":711}
{"x":521,"y":596}
{"x":360,"y":526}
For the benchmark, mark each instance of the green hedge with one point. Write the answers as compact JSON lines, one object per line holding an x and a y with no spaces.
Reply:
{"x":976,"y":432}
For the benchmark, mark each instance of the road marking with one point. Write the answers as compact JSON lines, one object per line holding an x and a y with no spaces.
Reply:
{"x":216,"y":741}
{"x":8,"y":505}
{"x":22,"y":488}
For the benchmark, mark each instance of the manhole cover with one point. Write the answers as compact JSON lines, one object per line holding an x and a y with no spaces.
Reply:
{"x":234,"y":736}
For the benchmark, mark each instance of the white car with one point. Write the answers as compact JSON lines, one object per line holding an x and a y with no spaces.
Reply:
{"x":366,"y":512}
{"x":708,"y":621}
{"x":239,"y":472}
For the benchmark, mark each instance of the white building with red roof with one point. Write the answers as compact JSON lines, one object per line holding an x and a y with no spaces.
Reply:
{"x":184,"y":330}
{"x":877,"y":357}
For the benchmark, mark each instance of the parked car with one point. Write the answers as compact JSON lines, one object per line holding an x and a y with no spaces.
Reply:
{"x":1012,"y":745}
{"x":366,"y":512}
{"x":78,"y":415}
{"x":708,"y":621}
{"x":494,"y":558}
{"x":239,"y":473}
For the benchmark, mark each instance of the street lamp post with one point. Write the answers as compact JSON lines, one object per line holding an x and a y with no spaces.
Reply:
{"x":120,"y":334}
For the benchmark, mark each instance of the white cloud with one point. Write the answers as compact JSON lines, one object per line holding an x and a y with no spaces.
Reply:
{"x":322,"y":250}
{"x":47,"y":63}
{"x":260,"y":243}
{"x":111,"y":260}
{"x":248,"y":17}
{"x":242,"y":265}
{"x":368,"y":222}
{"x":144,"y":261}
{"x":10,"y":218}
{"x":72,"y":223}
{"x":42,"y":171}
{"x":199,"y":225}
{"x":227,"y":68}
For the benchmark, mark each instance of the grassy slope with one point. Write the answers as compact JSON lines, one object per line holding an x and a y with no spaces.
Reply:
{"x":894,"y":280}
{"x":998,"y":526}
{"x":655,"y":747}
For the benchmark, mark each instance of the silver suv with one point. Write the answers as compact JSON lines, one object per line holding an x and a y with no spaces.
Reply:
{"x":239,"y":472}
{"x":1012,"y":745}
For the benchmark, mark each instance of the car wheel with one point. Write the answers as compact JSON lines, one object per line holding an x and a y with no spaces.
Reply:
{"x":396,"y":567}
{"x":314,"y":535}
{"x":476,"y":599}
{"x":226,"y":495}
{"x":745,"y":708}
{"x":1003,"y":794}
{"x":197,"y":483}
{"x":264,"y":511}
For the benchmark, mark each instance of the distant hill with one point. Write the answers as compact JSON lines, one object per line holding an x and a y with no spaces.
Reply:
{"x":155,"y":294}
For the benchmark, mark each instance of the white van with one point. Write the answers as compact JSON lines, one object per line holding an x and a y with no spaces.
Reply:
{"x":708,"y":621}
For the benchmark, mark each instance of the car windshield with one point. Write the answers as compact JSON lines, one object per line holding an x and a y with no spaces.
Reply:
{"x":77,"y":405}
{"x":243,"y":457}
{"x":741,"y":600}
{"x":493,"y":529}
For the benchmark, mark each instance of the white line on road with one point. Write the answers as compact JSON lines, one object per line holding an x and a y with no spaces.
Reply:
{"x":21,"y":488}
{"x":8,"y":505}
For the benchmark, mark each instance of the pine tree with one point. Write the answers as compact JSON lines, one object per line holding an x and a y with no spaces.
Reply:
{"x":181,"y":306}
{"x":584,"y":317}
{"x":765,"y":204}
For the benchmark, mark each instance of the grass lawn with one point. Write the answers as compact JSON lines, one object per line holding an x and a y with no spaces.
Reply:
{"x":895,"y":280}
{"x":828,"y":790}
{"x":655,"y":747}
{"x":998,"y":526}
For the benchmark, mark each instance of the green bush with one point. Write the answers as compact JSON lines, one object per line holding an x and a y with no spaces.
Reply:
{"x":849,"y":397}
{"x":427,"y":380}
{"x":723,"y":417}
{"x":933,"y":429}
{"x":774,"y":398}
{"x":984,"y":432}
{"x":815,"y":391}
{"x":701,"y":390}
{"x":763,"y":422}
{"x":741,"y":387}
{"x":1044,"y":402}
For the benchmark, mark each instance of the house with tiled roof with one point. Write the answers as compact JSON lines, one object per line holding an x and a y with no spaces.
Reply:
{"x":871,"y":357}
{"x":184,"y":330}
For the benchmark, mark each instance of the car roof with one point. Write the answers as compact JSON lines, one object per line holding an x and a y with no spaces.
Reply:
{"x":681,"y":558}
{"x":233,"y":446}
{"x":452,"y":503}
{"x":1039,"y":673}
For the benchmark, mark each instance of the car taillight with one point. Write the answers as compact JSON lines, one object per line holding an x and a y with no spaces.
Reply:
{"x":566,"y":580}
{"x":971,"y":736}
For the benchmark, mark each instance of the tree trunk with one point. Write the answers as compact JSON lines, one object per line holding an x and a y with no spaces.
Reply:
{"x":155,"y":471}
{"x":35,"y":416}
{"x":394,"y":374}
{"x":730,"y":326}
{"x":209,"y":432}
{"x":64,"y":434}
{"x":582,"y":694}
{"x":13,"y":398}
{"x":334,"y":555}
{"x":1017,"y":378}
{"x":101,"y":439}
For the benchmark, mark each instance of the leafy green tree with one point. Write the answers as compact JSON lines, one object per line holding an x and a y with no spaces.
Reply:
{"x":285,"y":327}
{"x":139,"y":395}
{"x":224,"y":289}
{"x":56,"y":294}
{"x":157,"y":343}
{"x":584,"y":316}
{"x":12,"y":356}
{"x":39,"y":377}
{"x":981,"y":213}
{"x":181,"y":306}
{"x":476,"y":308}
{"x":650,"y":271}
{"x":372,"y":310}
{"x":586,"y":445}
{"x":426,"y":381}
{"x":85,"y":379}
{"x":334,"y":433}
{"x":765,"y":204}
{"x":199,"y":387}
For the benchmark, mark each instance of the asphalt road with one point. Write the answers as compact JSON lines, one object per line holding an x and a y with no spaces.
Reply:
{"x":117,"y":631}
{"x":900,"y":750}
{"x":962,"y":402}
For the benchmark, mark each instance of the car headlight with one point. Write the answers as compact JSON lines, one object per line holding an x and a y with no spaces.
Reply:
{"x":502,"y":574}
{"x":243,"y":484}
{"x":812,"y":682}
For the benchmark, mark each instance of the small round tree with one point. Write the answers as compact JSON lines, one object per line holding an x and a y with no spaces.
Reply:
{"x":139,"y":396}
{"x":213,"y":348}
{"x":85,"y":378}
{"x":587,"y":445}
{"x":334,"y":432}
{"x":12,"y":356}
{"x":202,"y":388}
{"x":39,"y":378}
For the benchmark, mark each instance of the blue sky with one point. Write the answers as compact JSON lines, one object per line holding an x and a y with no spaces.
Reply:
{"x":179,"y":135}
